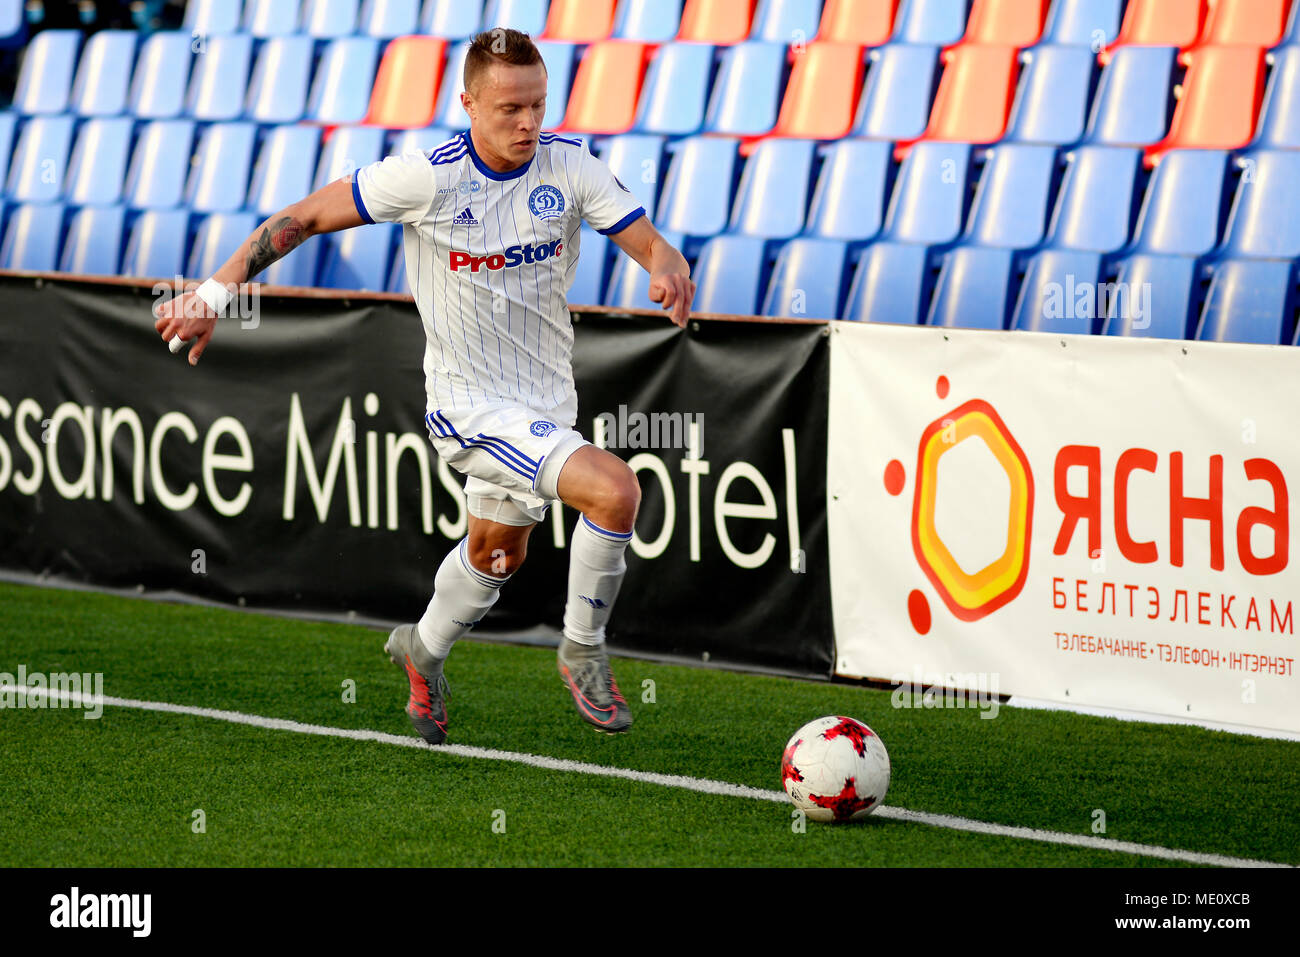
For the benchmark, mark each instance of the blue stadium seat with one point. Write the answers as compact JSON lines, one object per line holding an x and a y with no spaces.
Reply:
{"x":452,"y":19}
{"x":558,"y":58}
{"x":423,"y":139}
{"x":940,"y":22}
{"x":1184,"y":205}
{"x":357,"y":258}
{"x":397,"y":278}
{"x":891,"y":284}
{"x":898,"y":92}
{"x":785,"y":21}
{"x":974,"y":288}
{"x":1279,"y":120}
{"x":327,"y":19}
{"x":220,"y":78}
{"x":808,"y":280}
{"x":94,"y":242}
{"x":1170,"y":308}
{"x":217,"y":238}
{"x":1086,"y":23}
{"x":1250,"y":301}
{"x":45,"y":81}
{"x":271,"y":18}
{"x":156,"y":247}
{"x":1135,"y":98}
{"x":159,"y":165}
{"x":8,"y":124}
{"x":526,"y":16}
{"x":349,"y":148}
{"x":1292,"y":35}
{"x":651,"y":21}
{"x":208,"y":17}
{"x":341,"y":91}
{"x":848,"y":202}
{"x":32,"y":237}
{"x":390,"y":18}
{"x":1095,"y":209}
{"x":218,"y":180}
{"x":696,"y":196}
{"x":285,"y":168}
{"x":729,"y":275}
{"x":13,"y":28}
{"x":747,"y":93}
{"x":1014,"y":197}
{"x":772,"y":199}
{"x":278,"y":91}
{"x":448,"y":112}
{"x":1264,"y":223}
{"x":636,"y":160}
{"x":1051,"y":104}
{"x":929,"y":201}
{"x":104,"y":74}
{"x":676,"y":90}
{"x":1060,"y":293}
{"x":99,"y":160}
{"x":39,"y":164}
{"x":587,"y":285}
{"x":161,"y":75}
{"x":629,"y":284}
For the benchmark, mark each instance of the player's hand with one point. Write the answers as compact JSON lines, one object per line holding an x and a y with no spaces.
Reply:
{"x":188,"y":318}
{"x":675,"y":292}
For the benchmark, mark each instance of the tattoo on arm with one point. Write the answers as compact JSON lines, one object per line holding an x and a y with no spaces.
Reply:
{"x":274,"y":243}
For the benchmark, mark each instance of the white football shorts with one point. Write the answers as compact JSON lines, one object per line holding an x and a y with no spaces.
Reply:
{"x":512,"y":454}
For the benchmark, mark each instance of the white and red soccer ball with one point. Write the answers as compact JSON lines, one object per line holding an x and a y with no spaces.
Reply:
{"x":835,"y":769}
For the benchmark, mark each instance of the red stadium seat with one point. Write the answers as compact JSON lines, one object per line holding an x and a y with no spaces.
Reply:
{"x":406,"y":88}
{"x":867,"y":23}
{"x":716,"y":21}
{"x":607,"y":87}
{"x":580,"y":21}
{"x":822,"y":95}
{"x":1220,"y":101}
{"x":975,"y":95}
{"x":1160,"y":23}
{"x":1017,"y":23}
{"x":1258,"y":23}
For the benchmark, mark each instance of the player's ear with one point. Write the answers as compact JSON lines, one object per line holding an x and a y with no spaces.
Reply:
{"x":467,"y":102}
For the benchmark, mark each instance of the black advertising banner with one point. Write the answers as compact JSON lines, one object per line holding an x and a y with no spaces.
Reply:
{"x":291,"y":469}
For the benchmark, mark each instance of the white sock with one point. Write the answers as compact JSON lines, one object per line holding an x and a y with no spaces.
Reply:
{"x":596,"y":568}
{"x":462,"y":595}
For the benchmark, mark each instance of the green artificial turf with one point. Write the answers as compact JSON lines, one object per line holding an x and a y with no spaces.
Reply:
{"x":122,"y":790}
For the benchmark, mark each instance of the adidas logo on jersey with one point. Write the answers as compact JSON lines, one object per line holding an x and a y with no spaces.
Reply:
{"x":465,"y":218}
{"x":513,"y":256}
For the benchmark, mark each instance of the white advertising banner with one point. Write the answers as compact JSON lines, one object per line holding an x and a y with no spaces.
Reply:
{"x":1079,"y":519}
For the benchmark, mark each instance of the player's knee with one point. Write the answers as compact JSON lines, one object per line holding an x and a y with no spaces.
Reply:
{"x":619,"y":500}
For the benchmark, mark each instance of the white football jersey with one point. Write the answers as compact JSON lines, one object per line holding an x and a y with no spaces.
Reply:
{"x":490,"y":257}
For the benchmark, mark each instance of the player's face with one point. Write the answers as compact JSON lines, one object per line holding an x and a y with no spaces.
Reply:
{"x":506,"y":111}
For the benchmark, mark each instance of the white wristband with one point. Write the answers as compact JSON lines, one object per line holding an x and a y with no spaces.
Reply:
{"x":215,"y":295}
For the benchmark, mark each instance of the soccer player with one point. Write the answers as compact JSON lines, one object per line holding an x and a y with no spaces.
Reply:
{"x":490,"y":232}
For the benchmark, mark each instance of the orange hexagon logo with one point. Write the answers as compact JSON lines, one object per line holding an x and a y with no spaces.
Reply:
{"x":972,"y":594}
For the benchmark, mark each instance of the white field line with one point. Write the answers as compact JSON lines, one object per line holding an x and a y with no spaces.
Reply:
{"x":702,"y":785}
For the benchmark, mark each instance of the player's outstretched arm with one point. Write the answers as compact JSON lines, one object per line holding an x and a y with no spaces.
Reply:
{"x":670,"y":275}
{"x":192,"y":315}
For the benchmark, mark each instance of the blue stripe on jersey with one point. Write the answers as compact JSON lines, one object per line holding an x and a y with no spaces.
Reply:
{"x":624,"y":223}
{"x":356,"y":198}
{"x":606,"y":533}
{"x":455,"y":143}
{"x":449,"y":158}
{"x":549,"y":138}
{"x":502,"y":451}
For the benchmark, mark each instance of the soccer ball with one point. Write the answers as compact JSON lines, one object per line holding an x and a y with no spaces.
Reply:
{"x":835,"y":769}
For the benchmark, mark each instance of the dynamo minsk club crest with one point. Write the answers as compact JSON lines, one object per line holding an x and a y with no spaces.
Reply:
{"x":541,"y":428}
{"x":546,"y":202}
